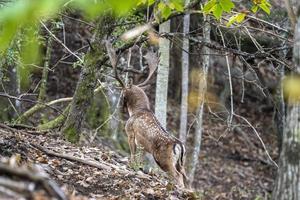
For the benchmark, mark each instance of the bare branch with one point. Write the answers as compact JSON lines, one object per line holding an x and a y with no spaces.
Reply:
{"x":60,"y":42}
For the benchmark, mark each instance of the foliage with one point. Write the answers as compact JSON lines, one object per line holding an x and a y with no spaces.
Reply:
{"x":23,"y":17}
{"x":291,"y":89}
{"x":218,"y":7}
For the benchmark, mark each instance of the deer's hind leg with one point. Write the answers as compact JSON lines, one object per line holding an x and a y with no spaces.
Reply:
{"x":131,"y":141}
{"x":132,"y":147}
{"x":167,"y":163}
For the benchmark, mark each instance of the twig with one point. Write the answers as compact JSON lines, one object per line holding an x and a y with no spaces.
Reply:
{"x":28,"y":100}
{"x":230,"y":82}
{"x":12,"y":105}
{"x":265,"y":22}
{"x":60,"y":42}
{"x":257,"y":134}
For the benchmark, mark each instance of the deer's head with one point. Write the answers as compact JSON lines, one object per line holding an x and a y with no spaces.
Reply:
{"x":135,"y":98}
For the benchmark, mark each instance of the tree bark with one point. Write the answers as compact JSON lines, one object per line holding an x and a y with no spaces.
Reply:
{"x":9,"y":83}
{"x":202,"y":90}
{"x":43,"y":86}
{"x":86,"y":84}
{"x":287,"y":186}
{"x":185,"y":77}
{"x":161,"y":94}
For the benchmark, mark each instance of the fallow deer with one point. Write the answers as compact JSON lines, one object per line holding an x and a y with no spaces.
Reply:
{"x":143,"y":128}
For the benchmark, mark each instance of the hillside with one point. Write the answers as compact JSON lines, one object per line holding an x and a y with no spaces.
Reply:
{"x":84,"y":172}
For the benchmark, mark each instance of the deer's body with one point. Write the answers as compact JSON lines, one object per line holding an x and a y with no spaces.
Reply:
{"x":143,"y":129}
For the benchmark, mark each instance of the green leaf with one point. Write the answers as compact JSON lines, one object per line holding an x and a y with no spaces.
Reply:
{"x":166,"y":12}
{"x":240,"y":17}
{"x":208,"y":7}
{"x":227,"y":5}
{"x":236,"y":18}
{"x":265,"y":8}
{"x":231,"y":20}
{"x":217,"y":11}
{"x":254,"y":8}
{"x":150,"y":2}
{"x":178,"y":6}
{"x":141,"y":2}
{"x":171,"y":5}
{"x":161,"y":6}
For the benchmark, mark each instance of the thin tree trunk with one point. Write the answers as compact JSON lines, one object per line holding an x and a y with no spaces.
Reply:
{"x":8,"y":83}
{"x":202,"y":90}
{"x":279,"y":118}
{"x":161,"y":94}
{"x":43,"y":86}
{"x":185,"y":77}
{"x":287,"y":186}
{"x":86,"y":84}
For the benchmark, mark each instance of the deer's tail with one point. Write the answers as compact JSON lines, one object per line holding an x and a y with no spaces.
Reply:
{"x":179,"y":152}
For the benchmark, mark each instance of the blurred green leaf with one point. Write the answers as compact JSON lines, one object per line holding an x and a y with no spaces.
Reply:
{"x":209,"y":6}
{"x":166,"y":12}
{"x":227,"y":5}
{"x":291,"y":89}
{"x":254,"y":8}
{"x":217,"y":11}
{"x":178,"y":5}
{"x":265,"y":7}
{"x":236,"y":18}
{"x":30,"y":54}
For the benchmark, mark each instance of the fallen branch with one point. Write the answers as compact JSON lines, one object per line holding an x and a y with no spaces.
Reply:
{"x":98,"y":165}
{"x":72,"y":158}
{"x":28,"y":100}
{"x":35,"y":176}
{"x":22,"y":118}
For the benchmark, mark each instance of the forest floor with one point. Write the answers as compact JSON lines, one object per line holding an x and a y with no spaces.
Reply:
{"x":233,"y":164}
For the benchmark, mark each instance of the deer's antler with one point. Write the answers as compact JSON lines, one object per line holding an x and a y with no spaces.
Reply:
{"x":114,"y":60}
{"x":152,"y":60}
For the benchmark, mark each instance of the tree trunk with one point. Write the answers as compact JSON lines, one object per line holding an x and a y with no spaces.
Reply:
{"x":279,"y":118}
{"x":161,"y":94}
{"x":202,"y":90}
{"x":85,"y":87}
{"x":185,"y":77}
{"x":8,"y":84}
{"x":287,"y":186}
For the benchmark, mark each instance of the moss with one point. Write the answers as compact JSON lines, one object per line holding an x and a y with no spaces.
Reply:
{"x":53,"y":123}
{"x":71,"y":134}
{"x":23,"y":118}
{"x":57,"y":122}
{"x":98,"y":113}
{"x":84,"y":92}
